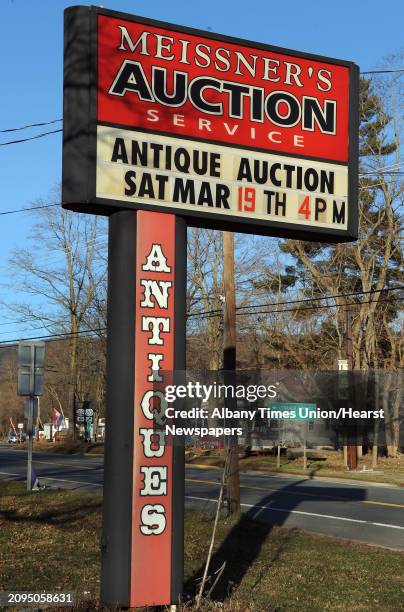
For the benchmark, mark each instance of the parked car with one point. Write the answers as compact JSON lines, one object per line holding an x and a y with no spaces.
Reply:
{"x":13,"y":438}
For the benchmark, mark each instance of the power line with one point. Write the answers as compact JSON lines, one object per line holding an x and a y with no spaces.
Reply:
{"x":389,"y":166}
{"x":317,"y":307}
{"x":327,"y":297}
{"x":29,"y":330}
{"x":50,"y":336}
{"x":312,"y":299}
{"x":267,"y":304}
{"x":30,"y":125}
{"x":383,"y":71}
{"x":24,"y":321}
{"x":208,"y":312}
{"x":242,"y":314}
{"x":384,"y":172}
{"x":52,"y":121}
{"x":101,"y":329}
{"x":18,"y":210}
{"x":10,"y":142}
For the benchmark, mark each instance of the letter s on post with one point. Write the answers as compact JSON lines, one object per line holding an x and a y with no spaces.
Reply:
{"x":153,"y":519}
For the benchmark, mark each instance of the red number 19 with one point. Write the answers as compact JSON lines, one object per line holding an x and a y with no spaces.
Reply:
{"x":246,"y":199}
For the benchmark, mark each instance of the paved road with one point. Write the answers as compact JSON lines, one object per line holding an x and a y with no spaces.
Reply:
{"x":362,"y":512}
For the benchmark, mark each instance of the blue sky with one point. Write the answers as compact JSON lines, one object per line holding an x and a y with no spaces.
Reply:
{"x":31,"y":47}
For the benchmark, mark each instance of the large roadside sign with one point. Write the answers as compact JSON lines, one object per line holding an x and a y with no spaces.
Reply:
{"x":228,"y":133}
{"x":164,"y":127}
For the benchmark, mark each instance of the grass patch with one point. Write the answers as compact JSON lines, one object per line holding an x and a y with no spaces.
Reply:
{"x":391,"y":471}
{"x":288,"y":569}
{"x":50,"y":540}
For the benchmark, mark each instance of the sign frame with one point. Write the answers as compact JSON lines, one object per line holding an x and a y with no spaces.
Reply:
{"x":80,"y":134}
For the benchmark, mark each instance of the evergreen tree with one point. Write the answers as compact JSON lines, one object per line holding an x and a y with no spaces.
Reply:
{"x":372,"y":264}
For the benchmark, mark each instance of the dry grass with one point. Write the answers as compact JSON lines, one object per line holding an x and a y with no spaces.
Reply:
{"x":50,"y":541}
{"x":323,"y":463}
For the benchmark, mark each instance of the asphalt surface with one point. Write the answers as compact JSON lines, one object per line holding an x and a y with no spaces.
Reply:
{"x":363,"y":512}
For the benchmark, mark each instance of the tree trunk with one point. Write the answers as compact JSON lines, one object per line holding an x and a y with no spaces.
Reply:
{"x":73,"y":376}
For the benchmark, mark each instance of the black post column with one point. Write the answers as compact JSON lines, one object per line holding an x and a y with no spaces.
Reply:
{"x":118,"y":457}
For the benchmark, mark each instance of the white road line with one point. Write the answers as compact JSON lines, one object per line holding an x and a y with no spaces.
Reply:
{"x":270,"y":508}
{"x":329,"y":516}
{"x":80,"y":482}
{"x":69,"y":465}
{"x":85,"y":484}
{"x":385,"y":525}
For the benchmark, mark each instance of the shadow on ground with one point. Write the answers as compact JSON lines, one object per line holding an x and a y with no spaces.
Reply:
{"x":243,"y":544}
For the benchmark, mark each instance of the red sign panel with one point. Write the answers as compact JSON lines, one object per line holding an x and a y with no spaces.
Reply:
{"x":166,"y":80}
{"x":227,"y":133}
{"x":153,"y":454}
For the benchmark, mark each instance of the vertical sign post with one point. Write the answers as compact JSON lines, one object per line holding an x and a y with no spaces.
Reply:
{"x":142,"y":547}
{"x":30,"y":442}
{"x":31,"y":356}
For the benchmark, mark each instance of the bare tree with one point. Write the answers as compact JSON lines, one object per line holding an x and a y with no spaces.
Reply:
{"x":11,"y":406}
{"x":59,"y":275}
{"x":205,"y":291}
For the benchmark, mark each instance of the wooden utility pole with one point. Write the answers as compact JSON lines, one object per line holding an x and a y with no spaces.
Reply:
{"x":352,"y":448}
{"x":229,"y":364}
